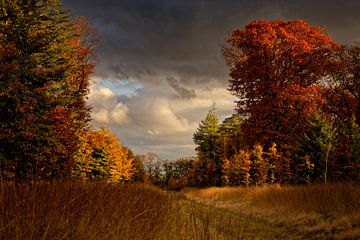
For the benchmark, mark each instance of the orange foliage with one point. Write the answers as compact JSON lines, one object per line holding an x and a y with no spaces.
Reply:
{"x":276,"y":67}
{"x":101,"y":156}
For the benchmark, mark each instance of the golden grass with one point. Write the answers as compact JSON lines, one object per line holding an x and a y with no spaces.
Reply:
{"x":330,"y":211}
{"x":66,"y":210}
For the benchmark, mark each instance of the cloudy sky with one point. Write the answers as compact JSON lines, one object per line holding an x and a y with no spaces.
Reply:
{"x":160,"y":67}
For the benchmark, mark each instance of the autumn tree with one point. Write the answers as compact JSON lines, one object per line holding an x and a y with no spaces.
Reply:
{"x":258,"y":170}
{"x":101,"y":156}
{"x":275,"y":71}
{"x":230,"y":137}
{"x":206,"y":138}
{"x":239,"y":169}
{"x":271,"y":160}
{"x":177,"y":172}
{"x":138,"y":172}
{"x":152,"y":167}
{"x":342,"y":88}
{"x":342,"y":93}
{"x":355,"y":148}
{"x":45,"y":61}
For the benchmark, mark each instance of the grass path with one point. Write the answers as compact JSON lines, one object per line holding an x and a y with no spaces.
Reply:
{"x":220,"y":221}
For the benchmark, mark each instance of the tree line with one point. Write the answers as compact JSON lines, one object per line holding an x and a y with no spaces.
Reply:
{"x":298,"y":109}
{"x":46,"y":58}
{"x":297,"y":116}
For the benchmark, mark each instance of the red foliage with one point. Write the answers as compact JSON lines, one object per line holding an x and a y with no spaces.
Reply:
{"x":276,"y":68}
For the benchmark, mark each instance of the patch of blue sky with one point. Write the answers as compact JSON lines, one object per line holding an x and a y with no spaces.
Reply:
{"x":121,"y":86}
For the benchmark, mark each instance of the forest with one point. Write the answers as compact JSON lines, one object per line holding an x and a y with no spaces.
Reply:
{"x":295,"y":129}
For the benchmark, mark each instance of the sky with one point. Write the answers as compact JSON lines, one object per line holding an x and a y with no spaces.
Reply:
{"x":160,"y":67}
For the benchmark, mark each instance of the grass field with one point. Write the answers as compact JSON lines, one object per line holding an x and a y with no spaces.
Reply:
{"x":329,"y":211}
{"x":68,"y":210}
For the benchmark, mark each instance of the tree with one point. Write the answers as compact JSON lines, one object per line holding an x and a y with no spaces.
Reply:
{"x":138,"y":172}
{"x":275,"y":71}
{"x":355,"y":147}
{"x":230,"y":137}
{"x":45,"y":62}
{"x":152,"y":167}
{"x":272,"y":159}
{"x":318,"y":144}
{"x":342,"y":88}
{"x":206,"y":138}
{"x":176,"y":173}
{"x":257,"y":166}
{"x":240,"y":169}
{"x":342,"y":93}
{"x":101,"y":156}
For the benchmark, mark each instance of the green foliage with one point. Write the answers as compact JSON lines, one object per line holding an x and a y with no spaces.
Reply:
{"x":318,"y":144}
{"x":230,"y":136}
{"x":44,"y":80}
{"x":207,"y":133}
{"x":206,"y":138}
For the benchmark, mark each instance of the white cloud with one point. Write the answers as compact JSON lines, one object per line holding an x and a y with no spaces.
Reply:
{"x":156,"y":120}
{"x":105,"y":107}
{"x":119,"y":114}
{"x":100,"y":116}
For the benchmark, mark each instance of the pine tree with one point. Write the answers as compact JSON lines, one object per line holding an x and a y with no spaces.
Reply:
{"x":230,"y":136}
{"x":45,"y":61}
{"x":319,"y":144}
{"x":206,"y":138}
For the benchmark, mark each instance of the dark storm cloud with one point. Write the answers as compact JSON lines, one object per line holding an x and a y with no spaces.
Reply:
{"x":180,"y":90}
{"x":173,"y":47}
{"x":142,"y":38}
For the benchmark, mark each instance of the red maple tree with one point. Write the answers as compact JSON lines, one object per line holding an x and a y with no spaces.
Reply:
{"x":275,"y":71}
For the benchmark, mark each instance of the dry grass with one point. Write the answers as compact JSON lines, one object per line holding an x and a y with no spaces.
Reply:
{"x":329,"y":211}
{"x":66,"y":210}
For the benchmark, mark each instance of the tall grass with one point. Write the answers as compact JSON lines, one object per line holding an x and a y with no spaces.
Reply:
{"x":69,"y":210}
{"x":66,"y":210}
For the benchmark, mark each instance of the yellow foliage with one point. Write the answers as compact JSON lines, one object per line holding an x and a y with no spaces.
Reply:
{"x":102,"y":156}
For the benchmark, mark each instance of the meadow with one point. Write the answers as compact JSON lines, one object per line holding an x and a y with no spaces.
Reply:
{"x":70,"y":210}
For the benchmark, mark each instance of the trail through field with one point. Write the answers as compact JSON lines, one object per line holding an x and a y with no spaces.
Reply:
{"x":221,"y":220}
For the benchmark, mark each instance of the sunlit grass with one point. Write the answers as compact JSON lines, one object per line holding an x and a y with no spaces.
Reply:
{"x":65,"y":210}
{"x":69,"y":210}
{"x":316,"y":212}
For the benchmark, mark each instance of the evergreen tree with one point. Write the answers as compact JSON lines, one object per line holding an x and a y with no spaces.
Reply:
{"x":230,"y":136}
{"x":45,"y":61}
{"x":206,"y":138}
{"x":319,"y":143}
